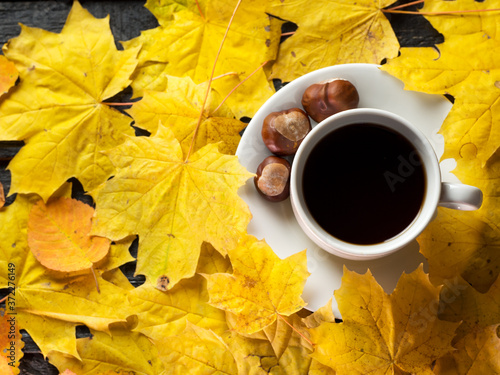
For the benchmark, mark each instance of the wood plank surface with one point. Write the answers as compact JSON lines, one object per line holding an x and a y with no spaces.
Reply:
{"x":128,"y":19}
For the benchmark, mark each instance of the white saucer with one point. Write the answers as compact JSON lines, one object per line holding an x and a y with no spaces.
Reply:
{"x":276,"y":223}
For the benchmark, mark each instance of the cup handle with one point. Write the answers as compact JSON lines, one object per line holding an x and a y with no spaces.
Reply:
{"x":460,"y":197}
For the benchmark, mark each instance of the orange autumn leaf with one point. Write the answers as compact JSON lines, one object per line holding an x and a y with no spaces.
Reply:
{"x":8,"y":75}
{"x":58,"y":235}
{"x":49,"y":305}
{"x":10,"y":342}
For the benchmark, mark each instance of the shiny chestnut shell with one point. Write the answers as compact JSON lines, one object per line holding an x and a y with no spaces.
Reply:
{"x":283,"y":131}
{"x":323,"y":99}
{"x":272,"y":178}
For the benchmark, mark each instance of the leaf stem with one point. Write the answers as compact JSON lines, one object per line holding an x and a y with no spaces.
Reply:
{"x":288,"y":33}
{"x":191,"y":147}
{"x":407,"y":4}
{"x":238,"y":85}
{"x":95,"y":279}
{"x":223,"y":75}
{"x":199,"y":10}
{"x":118,"y":104}
{"x":295,"y":329}
{"x":440,"y":13}
{"x":4,"y":298}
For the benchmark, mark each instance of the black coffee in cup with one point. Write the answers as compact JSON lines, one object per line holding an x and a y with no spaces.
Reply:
{"x":364,"y":183}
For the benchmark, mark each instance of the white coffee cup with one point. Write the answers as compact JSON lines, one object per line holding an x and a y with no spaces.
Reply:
{"x":437,"y":193}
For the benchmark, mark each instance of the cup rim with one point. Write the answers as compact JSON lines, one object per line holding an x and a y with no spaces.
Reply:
{"x":431,"y":198}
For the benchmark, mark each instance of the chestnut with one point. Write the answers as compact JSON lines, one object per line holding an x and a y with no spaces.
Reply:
{"x":272,"y":179}
{"x":323,"y":99}
{"x":283,"y":131}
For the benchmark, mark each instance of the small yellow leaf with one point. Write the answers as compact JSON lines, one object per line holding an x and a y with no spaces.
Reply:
{"x":118,"y":255}
{"x":261,"y":287}
{"x":179,"y":107}
{"x":8,"y":75}
{"x":58,"y":235}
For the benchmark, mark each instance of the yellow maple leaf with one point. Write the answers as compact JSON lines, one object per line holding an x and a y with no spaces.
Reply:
{"x":58,"y":235}
{"x":468,"y":22}
{"x":11,"y":343}
{"x":173,"y":205}
{"x":383,"y":333}
{"x":189,"y":39}
{"x":179,"y":108}
{"x":262,"y":286}
{"x":466,"y":67}
{"x":122,"y":353}
{"x":35,"y":288}
{"x":467,"y":244}
{"x":458,"y":64}
{"x":8,"y":75}
{"x":58,"y":109}
{"x":332,"y":32}
{"x":477,"y":353}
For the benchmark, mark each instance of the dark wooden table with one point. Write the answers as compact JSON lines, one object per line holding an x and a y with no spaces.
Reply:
{"x":128,"y":19}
